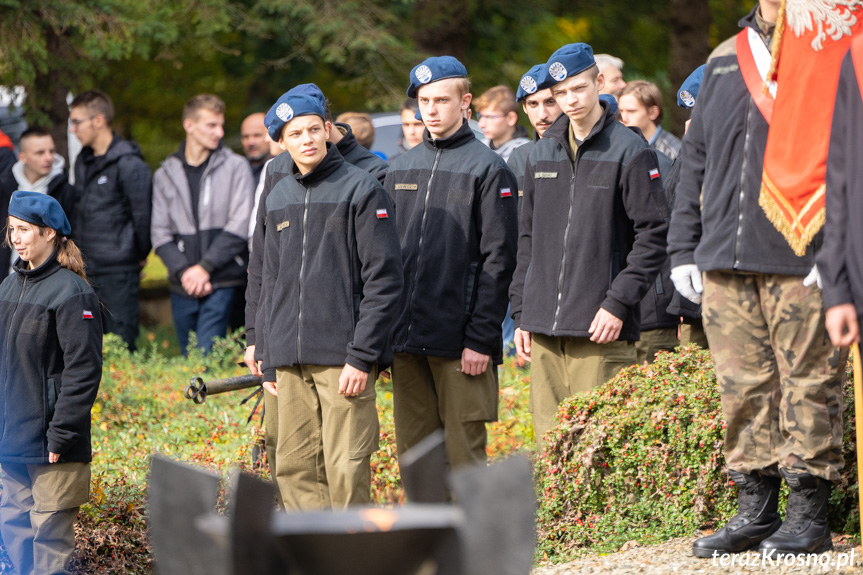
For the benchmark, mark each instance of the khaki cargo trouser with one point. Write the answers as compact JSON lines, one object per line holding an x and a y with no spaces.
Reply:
{"x":779,"y":376}
{"x":561,"y":367}
{"x":654,"y":341}
{"x":37,"y":512}
{"x":271,"y":437}
{"x":325,"y":440}
{"x":431,"y":393}
{"x":693,"y":333}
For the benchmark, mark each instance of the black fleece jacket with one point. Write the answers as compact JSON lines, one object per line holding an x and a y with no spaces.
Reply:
{"x":111,"y":217}
{"x":328,"y":265}
{"x":591,"y":232}
{"x":51,"y":337}
{"x":717,"y":222}
{"x":357,"y":155}
{"x":840,"y":260}
{"x":456,"y":205}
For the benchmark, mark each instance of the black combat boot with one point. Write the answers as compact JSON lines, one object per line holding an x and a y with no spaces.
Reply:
{"x":805,"y":527}
{"x":756,"y":520}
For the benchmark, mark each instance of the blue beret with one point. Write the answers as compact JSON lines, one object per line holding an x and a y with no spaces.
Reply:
{"x":532,"y":82}
{"x":418,"y":116}
{"x":288,"y":107}
{"x":689,"y":89}
{"x":568,"y":61}
{"x":309,"y":90}
{"x":41,"y":210}
{"x":434,"y":69}
{"x":609,"y":99}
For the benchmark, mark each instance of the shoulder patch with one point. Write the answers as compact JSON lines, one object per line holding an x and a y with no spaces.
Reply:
{"x":545,"y":175}
{"x":382,"y":214}
{"x":410,"y":187}
{"x":283,"y":225}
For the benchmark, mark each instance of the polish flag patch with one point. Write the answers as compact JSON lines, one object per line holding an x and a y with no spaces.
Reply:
{"x":654,"y":174}
{"x":505,"y":193}
{"x":382,"y":214}
{"x":88,"y":314}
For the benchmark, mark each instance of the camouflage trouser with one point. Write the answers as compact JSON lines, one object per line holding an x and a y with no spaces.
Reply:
{"x":779,"y":377}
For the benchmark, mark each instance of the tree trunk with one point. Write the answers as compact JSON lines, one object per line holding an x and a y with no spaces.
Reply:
{"x":47,"y":98}
{"x":689,"y":29}
{"x":441,"y":27}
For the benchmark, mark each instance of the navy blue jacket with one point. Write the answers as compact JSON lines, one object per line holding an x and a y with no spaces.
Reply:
{"x":51,"y":337}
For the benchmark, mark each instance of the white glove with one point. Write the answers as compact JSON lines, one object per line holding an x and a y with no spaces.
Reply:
{"x":687,"y":280}
{"x":813,"y":278}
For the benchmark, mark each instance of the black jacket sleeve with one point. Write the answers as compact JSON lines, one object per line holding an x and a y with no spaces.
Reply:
{"x":496,"y":219}
{"x":684,"y":232}
{"x":645,"y":205}
{"x":831,"y":258}
{"x":380,"y":256}
{"x":256,"y":264}
{"x":525,"y":243}
{"x":81,"y":343}
{"x":136,"y":185}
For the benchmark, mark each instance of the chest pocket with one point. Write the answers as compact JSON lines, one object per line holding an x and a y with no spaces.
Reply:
{"x":36,"y":327}
{"x":337,"y":225}
{"x":459,"y":196}
{"x":601,"y":178}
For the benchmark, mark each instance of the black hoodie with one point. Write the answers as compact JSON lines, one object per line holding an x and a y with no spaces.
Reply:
{"x":111,"y":216}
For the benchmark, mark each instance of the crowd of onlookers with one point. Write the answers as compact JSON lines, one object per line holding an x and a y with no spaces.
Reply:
{"x":195,"y":209}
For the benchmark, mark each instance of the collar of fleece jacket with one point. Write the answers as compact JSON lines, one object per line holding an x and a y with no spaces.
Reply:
{"x":331,"y":162}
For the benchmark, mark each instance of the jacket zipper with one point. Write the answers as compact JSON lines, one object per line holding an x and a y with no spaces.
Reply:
{"x":740,"y":196}
{"x":565,"y":239}
{"x":302,"y":268}
{"x":420,"y":242}
{"x":8,"y":355}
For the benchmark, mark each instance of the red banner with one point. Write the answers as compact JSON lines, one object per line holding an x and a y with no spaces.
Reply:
{"x":795,"y":161}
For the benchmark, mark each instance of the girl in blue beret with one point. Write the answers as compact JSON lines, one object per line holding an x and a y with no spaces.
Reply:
{"x":50,"y":370}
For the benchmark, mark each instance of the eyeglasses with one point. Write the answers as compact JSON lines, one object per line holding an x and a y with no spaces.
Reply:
{"x":76,"y":122}
{"x":489,"y":116}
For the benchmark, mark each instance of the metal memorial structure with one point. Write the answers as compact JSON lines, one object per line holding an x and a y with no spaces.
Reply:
{"x":480,"y":523}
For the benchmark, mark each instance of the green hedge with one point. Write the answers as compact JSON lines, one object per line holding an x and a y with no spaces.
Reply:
{"x":641,"y":458}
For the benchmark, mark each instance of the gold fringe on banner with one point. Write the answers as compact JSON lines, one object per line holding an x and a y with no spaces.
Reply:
{"x":776,"y":208}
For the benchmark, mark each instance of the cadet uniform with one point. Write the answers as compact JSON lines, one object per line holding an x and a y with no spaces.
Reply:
{"x":456,"y":206}
{"x":329,"y":267}
{"x":779,"y":377}
{"x":592,"y":231}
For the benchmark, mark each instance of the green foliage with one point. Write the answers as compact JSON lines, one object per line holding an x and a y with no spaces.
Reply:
{"x":140,"y":410}
{"x":641,"y":458}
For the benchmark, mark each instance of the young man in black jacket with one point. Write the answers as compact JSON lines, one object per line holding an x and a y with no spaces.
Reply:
{"x":327,"y":260}
{"x":591,"y":240}
{"x":113,"y":187}
{"x":456,"y":205}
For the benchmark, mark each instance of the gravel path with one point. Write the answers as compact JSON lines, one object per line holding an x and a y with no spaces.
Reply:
{"x":675,"y":556}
